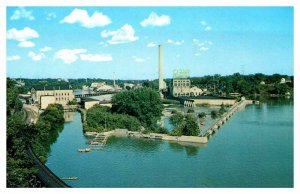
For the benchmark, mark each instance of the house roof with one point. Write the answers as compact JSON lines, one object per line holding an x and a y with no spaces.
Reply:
{"x":56,"y":87}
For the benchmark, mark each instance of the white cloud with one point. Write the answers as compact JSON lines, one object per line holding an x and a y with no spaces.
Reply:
{"x":174,"y":42}
{"x":21,"y":12}
{"x":205,"y":25}
{"x":155,"y":20}
{"x":203,"y":48}
{"x":35,"y":56}
{"x":123,"y":35}
{"x":50,"y":16}
{"x":68,"y":55}
{"x":197,"y":54}
{"x":96,"y":57}
{"x":21,"y":35}
{"x":138,"y":59}
{"x":151,"y":44}
{"x":207,"y":28}
{"x":13,"y":58}
{"x":45,"y":49}
{"x":82,"y":17}
{"x":26,"y":44}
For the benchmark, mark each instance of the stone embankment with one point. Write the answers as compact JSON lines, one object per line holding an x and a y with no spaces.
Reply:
{"x":203,"y":139}
{"x":125,"y":132}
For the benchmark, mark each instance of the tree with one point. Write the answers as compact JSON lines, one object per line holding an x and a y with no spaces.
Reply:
{"x":190,"y":110}
{"x":144,"y":104}
{"x":222,"y":110}
{"x":214,"y":114}
{"x":184,"y":125}
{"x":202,"y":115}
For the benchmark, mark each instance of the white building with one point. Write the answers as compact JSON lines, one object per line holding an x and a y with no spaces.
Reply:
{"x":45,"y":95}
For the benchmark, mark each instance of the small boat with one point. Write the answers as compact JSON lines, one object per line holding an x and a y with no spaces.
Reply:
{"x":84,"y":150}
{"x":70,"y":178}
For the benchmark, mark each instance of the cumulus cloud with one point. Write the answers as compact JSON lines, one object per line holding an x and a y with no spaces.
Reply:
{"x":26,"y":44}
{"x":155,"y":20}
{"x":50,"y":16}
{"x":123,"y":35}
{"x":174,"y":42}
{"x":68,"y":55}
{"x":45,"y":49}
{"x":138,"y":59}
{"x":36,"y":56}
{"x":82,"y":17}
{"x":205,"y":26}
{"x":13,"y":58}
{"x":151,"y":44}
{"x":96,"y":57}
{"x":201,"y":46}
{"x":21,"y":35}
{"x":21,"y":12}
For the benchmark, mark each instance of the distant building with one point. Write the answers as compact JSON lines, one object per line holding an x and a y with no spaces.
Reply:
{"x":195,"y":91}
{"x":103,"y":100}
{"x":105,"y":88}
{"x":181,"y":87}
{"x":46,"y":100}
{"x":282,"y":81}
{"x":235,"y":94}
{"x":20,"y":83}
{"x":97,"y":84}
{"x":45,"y":95}
{"x":262,"y":83}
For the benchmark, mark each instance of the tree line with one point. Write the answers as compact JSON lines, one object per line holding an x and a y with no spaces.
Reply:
{"x":20,"y":137}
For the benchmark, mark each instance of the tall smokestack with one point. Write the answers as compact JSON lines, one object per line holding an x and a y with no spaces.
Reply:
{"x":160,"y":69}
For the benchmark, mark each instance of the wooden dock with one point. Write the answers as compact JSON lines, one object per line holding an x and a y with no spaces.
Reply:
{"x":98,"y":142}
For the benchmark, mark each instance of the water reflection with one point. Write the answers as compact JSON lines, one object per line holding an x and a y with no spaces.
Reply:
{"x":69,"y":116}
{"x":131,"y":143}
{"x":191,"y":149}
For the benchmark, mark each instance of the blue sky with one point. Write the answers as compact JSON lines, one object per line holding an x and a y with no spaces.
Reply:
{"x":95,"y":42}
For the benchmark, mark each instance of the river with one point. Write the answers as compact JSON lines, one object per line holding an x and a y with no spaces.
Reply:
{"x":253,"y":149}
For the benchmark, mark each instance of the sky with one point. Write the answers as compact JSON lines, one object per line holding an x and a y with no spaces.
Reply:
{"x":122,"y":42}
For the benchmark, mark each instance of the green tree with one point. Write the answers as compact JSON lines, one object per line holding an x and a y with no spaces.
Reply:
{"x":184,"y":125}
{"x":202,"y":115}
{"x":144,"y":104}
{"x":214,"y":114}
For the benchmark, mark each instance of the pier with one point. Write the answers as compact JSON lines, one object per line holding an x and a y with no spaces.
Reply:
{"x":226,"y":116}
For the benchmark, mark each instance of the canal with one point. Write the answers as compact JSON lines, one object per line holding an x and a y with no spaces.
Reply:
{"x":253,"y":149}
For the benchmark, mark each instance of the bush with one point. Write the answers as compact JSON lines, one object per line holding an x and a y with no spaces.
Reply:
{"x":214,"y":114}
{"x":202,"y":115}
{"x":173,"y":111}
{"x":184,"y":125}
{"x":190,"y":110}
{"x":99,"y":118}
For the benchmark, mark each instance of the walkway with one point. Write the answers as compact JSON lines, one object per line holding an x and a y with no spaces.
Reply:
{"x":225,"y":117}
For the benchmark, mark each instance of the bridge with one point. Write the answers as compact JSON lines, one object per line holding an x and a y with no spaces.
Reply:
{"x":95,"y":94}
